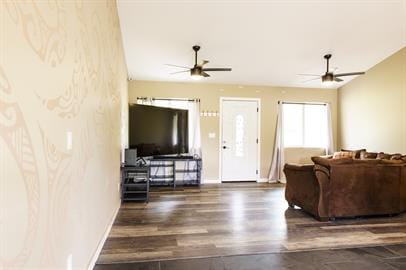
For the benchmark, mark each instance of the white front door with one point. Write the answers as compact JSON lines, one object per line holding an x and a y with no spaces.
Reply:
{"x":239,"y":140}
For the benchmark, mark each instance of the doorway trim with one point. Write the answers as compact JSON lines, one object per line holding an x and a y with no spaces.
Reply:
{"x":258,"y":100}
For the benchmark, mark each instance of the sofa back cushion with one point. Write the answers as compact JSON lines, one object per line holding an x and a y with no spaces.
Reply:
{"x":382,"y":155}
{"x":368,"y":189}
{"x":327,"y":162}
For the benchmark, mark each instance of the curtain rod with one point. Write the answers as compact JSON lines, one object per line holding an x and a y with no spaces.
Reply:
{"x":303,"y":103}
{"x":169,"y":99}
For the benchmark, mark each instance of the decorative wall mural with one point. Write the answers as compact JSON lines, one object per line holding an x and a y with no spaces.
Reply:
{"x":62,"y":70}
{"x":43,"y":26}
{"x":14,"y":132}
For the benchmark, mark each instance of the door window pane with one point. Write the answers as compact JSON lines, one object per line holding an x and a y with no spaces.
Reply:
{"x":239,"y":136}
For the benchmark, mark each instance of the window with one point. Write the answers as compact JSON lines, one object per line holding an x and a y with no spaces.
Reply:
{"x":305,"y":125}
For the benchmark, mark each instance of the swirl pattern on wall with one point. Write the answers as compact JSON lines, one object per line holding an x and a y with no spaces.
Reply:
{"x":14,"y":132}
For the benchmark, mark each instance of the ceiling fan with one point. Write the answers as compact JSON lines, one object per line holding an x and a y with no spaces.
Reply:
{"x":329,"y":77}
{"x":198,"y":71}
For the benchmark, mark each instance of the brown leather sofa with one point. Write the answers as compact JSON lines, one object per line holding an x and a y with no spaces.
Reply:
{"x":347,"y":187}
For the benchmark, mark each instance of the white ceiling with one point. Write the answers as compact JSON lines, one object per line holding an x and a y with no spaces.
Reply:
{"x":265,"y":42}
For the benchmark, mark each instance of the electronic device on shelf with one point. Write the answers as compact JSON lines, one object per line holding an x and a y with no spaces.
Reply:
{"x":131,"y":157}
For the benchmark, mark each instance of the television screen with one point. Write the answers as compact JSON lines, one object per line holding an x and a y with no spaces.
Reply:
{"x":157,"y":131}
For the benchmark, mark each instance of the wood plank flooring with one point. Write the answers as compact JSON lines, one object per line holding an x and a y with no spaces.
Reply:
{"x":233,"y":219}
{"x":389,"y":257}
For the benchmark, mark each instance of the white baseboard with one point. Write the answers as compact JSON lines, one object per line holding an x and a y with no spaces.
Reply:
{"x":103,"y":240}
{"x":211,"y":181}
{"x":216,"y":181}
{"x":263,"y":180}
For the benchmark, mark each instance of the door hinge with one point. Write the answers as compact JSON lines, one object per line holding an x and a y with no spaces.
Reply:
{"x":257,"y":140}
{"x":257,"y":109}
{"x":256,"y":171}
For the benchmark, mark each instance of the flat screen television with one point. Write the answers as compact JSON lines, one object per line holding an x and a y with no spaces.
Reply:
{"x":156,"y":131}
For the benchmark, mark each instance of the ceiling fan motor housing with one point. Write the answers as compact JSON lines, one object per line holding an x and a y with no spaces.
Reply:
{"x":328,"y":77}
{"x":196,"y":71}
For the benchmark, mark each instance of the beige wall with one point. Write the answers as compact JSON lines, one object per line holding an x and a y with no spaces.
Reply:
{"x":210,"y":96}
{"x":373,"y":108}
{"x":61,"y":69}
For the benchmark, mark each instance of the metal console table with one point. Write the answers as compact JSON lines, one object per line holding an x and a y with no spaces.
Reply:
{"x":175,"y":171}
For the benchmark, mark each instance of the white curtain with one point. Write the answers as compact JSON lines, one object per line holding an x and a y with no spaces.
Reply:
{"x":330,"y":138}
{"x":195,"y":147}
{"x":275,"y":172}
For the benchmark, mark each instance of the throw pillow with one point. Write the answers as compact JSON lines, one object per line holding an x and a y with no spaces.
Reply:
{"x":344,"y":154}
{"x":368,"y":155}
{"x":396,"y":157}
{"x":382,"y":155}
{"x":356,"y":152}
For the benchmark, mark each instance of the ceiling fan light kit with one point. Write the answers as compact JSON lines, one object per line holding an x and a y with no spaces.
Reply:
{"x":198,"y":71}
{"x":329,"y":77}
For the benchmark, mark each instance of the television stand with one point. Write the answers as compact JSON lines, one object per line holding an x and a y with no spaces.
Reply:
{"x":172,"y":157}
{"x":175,"y":170}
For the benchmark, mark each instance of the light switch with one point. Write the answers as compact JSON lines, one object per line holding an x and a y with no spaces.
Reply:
{"x":69,"y":140}
{"x":212,"y":135}
{"x":69,"y":262}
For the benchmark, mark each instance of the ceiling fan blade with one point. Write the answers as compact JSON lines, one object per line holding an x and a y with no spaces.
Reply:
{"x":177,"y":66}
{"x":338,"y":79}
{"x":204,"y":62}
{"x":349,"y":74}
{"x":204,"y":74}
{"x":216,"y":69}
{"x":301,"y":74}
{"x":179,"y":72}
{"x":312,"y":79}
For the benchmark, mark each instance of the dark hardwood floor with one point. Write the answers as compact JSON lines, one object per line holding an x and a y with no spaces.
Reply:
{"x":370,"y":258}
{"x":222,"y":221}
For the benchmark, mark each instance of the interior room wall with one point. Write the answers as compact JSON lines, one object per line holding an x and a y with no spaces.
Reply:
{"x":62,"y":71}
{"x":210,"y":94}
{"x":373,"y":108}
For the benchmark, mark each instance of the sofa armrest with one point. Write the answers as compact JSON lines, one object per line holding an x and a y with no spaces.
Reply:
{"x":319,"y":169}
{"x":299,"y":167}
{"x":302,"y":188}
{"x":323,"y":178}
